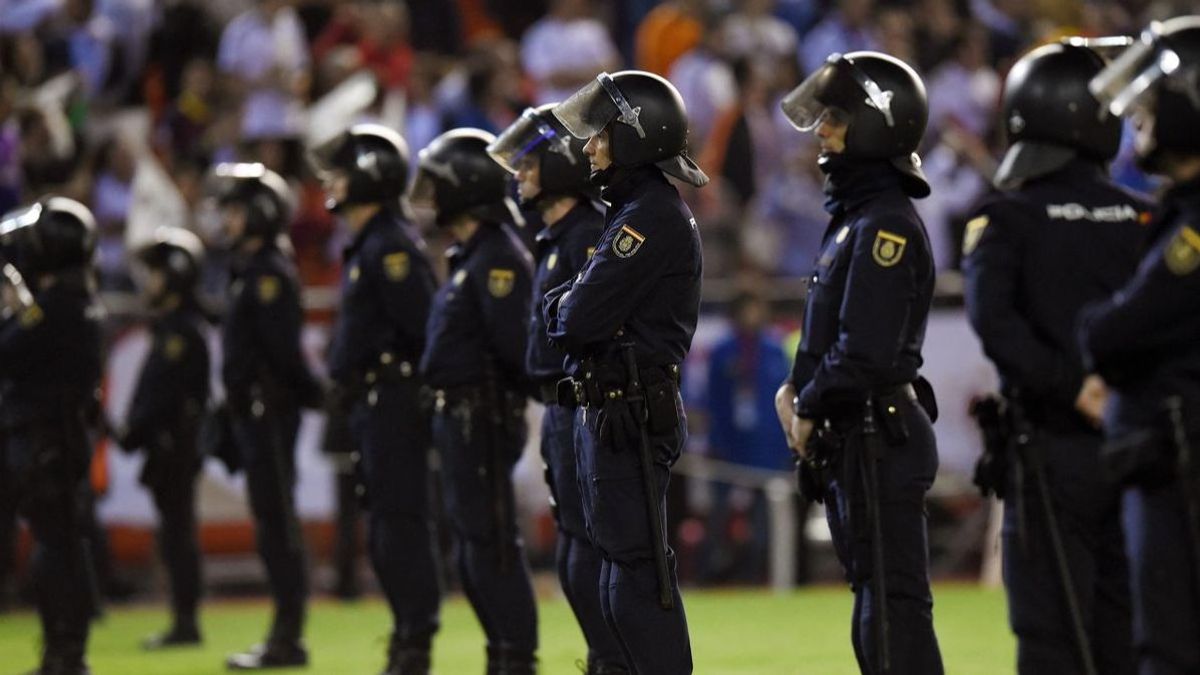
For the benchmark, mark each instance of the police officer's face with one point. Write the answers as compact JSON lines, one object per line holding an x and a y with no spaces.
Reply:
{"x":598,"y":151}
{"x":336,"y":185}
{"x":233,"y":221}
{"x":1143,"y":124}
{"x":831,"y":135}
{"x":154,"y":284}
{"x":529,"y":178}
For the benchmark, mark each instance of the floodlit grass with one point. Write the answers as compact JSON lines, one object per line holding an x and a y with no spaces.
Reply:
{"x":734,"y":632}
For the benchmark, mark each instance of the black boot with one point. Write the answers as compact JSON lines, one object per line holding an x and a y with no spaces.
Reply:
{"x":505,"y":661}
{"x":407,"y":658}
{"x":273,"y":654}
{"x":180,"y":635}
{"x":63,"y":658}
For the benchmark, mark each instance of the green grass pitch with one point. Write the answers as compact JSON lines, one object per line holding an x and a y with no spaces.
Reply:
{"x":734,"y":632}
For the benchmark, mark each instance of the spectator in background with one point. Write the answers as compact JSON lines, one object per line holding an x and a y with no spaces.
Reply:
{"x":565,"y":50}
{"x":937,"y":33}
{"x":667,"y":32}
{"x":705,"y":81}
{"x":185,"y":123}
{"x":10,"y":149}
{"x":847,"y":28}
{"x":111,"y":197}
{"x":377,"y":33}
{"x":963,"y":94}
{"x":743,"y":371}
{"x":264,"y":54}
{"x":491,"y":98}
{"x":754,"y":32}
{"x":736,"y":153}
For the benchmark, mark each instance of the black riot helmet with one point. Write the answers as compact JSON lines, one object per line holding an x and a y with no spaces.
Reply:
{"x":374,"y":159}
{"x":263,"y":193}
{"x":178,"y":254}
{"x":457,"y":176}
{"x":882,"y":101}
{"x":538,"y":135}
{"x":53,"y":235}
{"x":646,"y":119}
{"x":1050,"y":115}
{"x":1157,"y":78}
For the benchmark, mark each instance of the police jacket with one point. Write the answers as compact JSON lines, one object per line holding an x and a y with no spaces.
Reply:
{"x":260,"y":336}
{"x":1145,"y":340}
{"x":477,"y":322}
{"x":50,"y":357}
{"x":562,"y":250}
{"x":172,"y":388}
{"x":642,"y":284}
{"x":868,"y":300}
{"x":387,"y":288}
{"x":1034,"y":257}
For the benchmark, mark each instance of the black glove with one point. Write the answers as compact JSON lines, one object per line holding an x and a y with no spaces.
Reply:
{"x":991,"y":473}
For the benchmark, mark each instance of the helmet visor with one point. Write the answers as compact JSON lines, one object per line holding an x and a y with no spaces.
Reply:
{"x":528,"y":134}
{"x":20,"y":219}
{"x":594,"y":106}
{"x":1126,"y":82}
{"x":830,"y":91}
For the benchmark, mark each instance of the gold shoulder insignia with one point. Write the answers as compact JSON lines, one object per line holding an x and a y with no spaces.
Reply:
{"x":973,"y":233}
{"x":268,"y":289}
{"x":552,"y":260}
{"x":1183,"y":253}
{"x":31,"y":316}
{"x":396,"y":265}
{"x":888,"y":248}
{"x":173,"y":347}
{"x":500,"y":282}
{"x":627,"y":242}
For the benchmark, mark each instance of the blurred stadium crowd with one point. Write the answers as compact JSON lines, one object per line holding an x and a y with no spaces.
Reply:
{"x":125,"y":104}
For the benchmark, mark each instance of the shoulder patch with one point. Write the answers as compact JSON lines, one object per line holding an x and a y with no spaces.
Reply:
{"x":888,"y":248}
{"x":268,"y":288}
{"x":973,"y":233}
{"x":173,"y":347}
{"x":1183,"y":252}
{"x":627,"y":242}
{"x":31,"y":316}
{"x":396,"y":265}
{"x":500,"y":282}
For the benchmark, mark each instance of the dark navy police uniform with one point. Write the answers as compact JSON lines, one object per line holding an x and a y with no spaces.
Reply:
{"x":164,"y":420}
{"x":1145,"y":343}
{"x":641,"y":287}
{"x":50,"y":369}
{"x":267,"y":381}
{"x":387,"y":288}
{"x":864,"y":325}
{"x":562,"y":250}
{"x":1035,"y":257}
{"x":474,"y":361}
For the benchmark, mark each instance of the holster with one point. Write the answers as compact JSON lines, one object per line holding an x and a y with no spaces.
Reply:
{"x":815,"y":471}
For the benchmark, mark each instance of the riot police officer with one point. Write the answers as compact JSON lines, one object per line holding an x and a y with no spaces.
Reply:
{"x":1145,"y":342}
{"x":50,"y":369}
{"x":267,"y":382}
{"x":474,"y":363}
{"x":855,"y":374}
{"x":551,"y":174}
{"x":164,"y":418}
{"x":1023,"y":296}
{"x":387,"y":288}
{"x":626,"y":323}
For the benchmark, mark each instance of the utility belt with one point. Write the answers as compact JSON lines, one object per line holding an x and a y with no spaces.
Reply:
{"x":473,"y":396}
{"x":593,"y":391}
{"x":389,"y":369}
